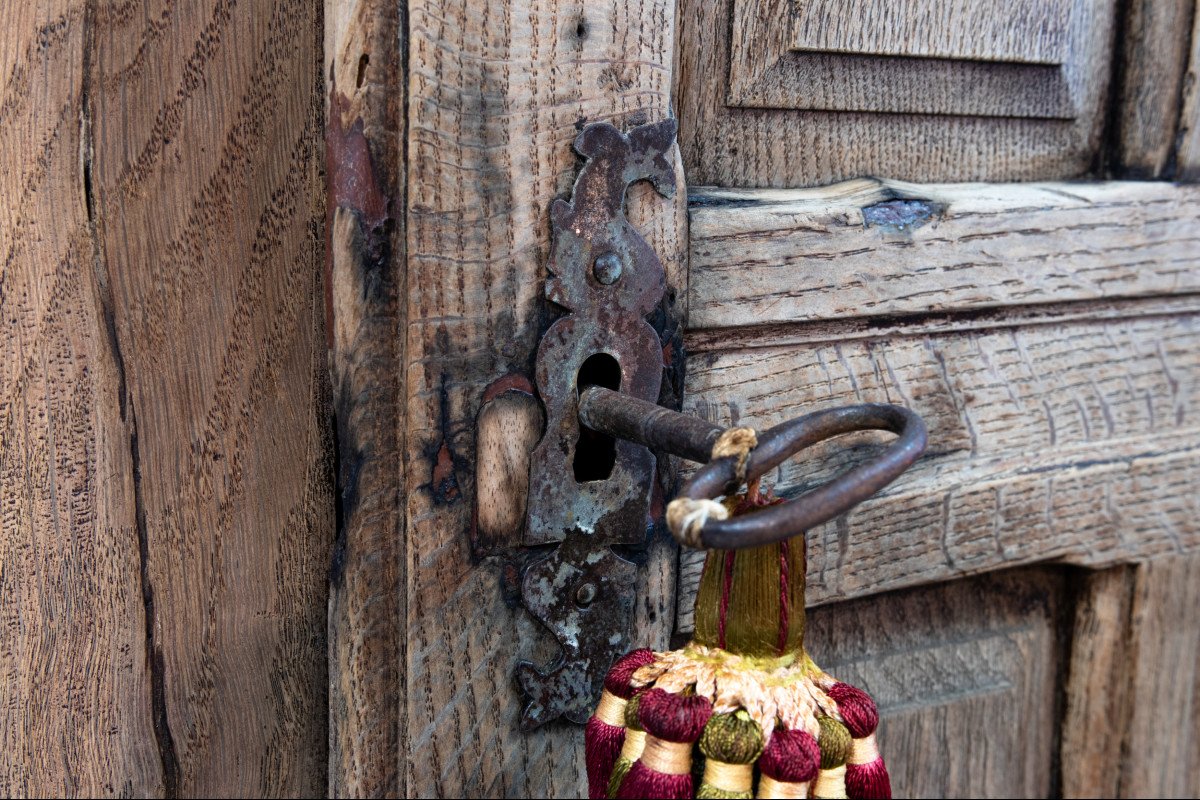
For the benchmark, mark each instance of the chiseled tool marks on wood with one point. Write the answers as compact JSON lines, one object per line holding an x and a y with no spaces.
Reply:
{"x":1074,"y":441}
{"x":365,"y":273}
{"x":951,"y":667}
{"x":761,"y":257}
{"x":496,"y":92}
{"x":75,"y":679}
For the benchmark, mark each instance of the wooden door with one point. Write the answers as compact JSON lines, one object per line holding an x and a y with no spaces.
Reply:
{"x":1022,"y":603}
{"x":236,"y":498}
{"x":1044,"y":329}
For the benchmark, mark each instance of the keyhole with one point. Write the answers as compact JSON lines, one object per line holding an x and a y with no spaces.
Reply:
{"x":596,"y":453}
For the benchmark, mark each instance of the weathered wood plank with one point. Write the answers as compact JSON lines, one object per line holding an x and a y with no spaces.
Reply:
{"x":1163,"y":651}
{"x":75,"y":671}
{"x":1154,"y":52}
{"x":1188,"y":156}
{"x":1097,"y":711}
{"x":1074,"y":442}
{"x":496,"y":92}
{"x":762,"y":257}
{"x":364,"y":277}
{"x":965,"y":675}
{"x":204,"y":156}
{"x":1023,"y":31}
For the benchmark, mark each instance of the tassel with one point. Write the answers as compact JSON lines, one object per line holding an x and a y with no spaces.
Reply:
{"x":834,"y":743}
{"x":604,"y":734}
{"x":808,"y":734}
{"x":866,"y":774}
{"x":730,"y":743}
{"x":631,"y":751}
{"x":673,"y":723}
{"x":788,"y":765}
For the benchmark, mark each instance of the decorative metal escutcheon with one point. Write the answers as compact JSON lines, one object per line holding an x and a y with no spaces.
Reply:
{"x":599,"y":371}
{"x":588,"y":491}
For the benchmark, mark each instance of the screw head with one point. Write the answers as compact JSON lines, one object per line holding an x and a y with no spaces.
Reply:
{"x":607,"y":268}
{"x":585,"y":595}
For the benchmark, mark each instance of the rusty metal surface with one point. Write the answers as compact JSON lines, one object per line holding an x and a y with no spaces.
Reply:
{"x":826,"y":501}
{"x":585,"y":593}
{"x":604,"y":318}
{"x":608,"y":279}
{"x":693,"y":438}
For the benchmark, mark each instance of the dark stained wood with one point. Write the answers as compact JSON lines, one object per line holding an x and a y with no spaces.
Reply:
{"x":1188,"y":158}
{"x":1099,"y":672}
{"x":365,"y":277}
{"x":1161,"y":753}
{"x":167,"y":450}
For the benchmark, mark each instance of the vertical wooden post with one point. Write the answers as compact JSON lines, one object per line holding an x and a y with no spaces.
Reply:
{"x":365,"y":54}
{"x":164,"y":414}
{"x":496,"y":93}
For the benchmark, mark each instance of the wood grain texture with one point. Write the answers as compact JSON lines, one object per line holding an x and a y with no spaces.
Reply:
{"x":506,"y":432}
{"x":877,"y":248}
{"x":1153,"y":61}
{"x":797,"y":117}
{"x":1097,"y":696}
{"x":496,"y":94}
{"x":365,"y":277}
{"x":1188,"y":155}
{"x":965,"y":675}
{"x":167,"y":484}
{"x":75,"y":673}
{"x":1165,"y":691}
{"x":869,"y":57}
{"x":1072,"y":441}
{"x":206,"y":169}
{"x":1025,"y":31}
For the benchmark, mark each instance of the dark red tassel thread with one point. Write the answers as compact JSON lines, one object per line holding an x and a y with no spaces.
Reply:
{"x":602,"y":739}
{"x":790,"y":757}
{"x":673,"y":723}
{"x":866,"y":774}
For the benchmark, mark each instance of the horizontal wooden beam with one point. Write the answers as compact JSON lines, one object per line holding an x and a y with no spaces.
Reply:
{"x":1073,"y":442}
{"x":871,"y":248}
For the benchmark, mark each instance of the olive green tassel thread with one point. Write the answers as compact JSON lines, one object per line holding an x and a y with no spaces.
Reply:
{"x":834,"y":742}
{"x":731,"y":743}
{"x":631,"y":751}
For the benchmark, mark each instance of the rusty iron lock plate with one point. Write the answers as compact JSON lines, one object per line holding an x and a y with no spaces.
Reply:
{"x":589,"y":492}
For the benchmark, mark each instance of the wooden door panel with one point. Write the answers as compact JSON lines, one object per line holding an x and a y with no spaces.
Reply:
{"x":1075,"y":442}
{"x":1058,"y":430}
{"x":166,"y":497}
{"x":950,"y":90}
{"x":946,"y":57}
{"x":965,"y":675}
{"x":1048,"y":336}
